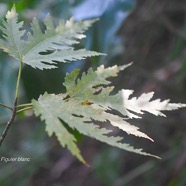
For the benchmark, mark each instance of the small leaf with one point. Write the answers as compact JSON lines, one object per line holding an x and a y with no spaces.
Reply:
{"x":12,"y":33}
{"x":43,"y":50}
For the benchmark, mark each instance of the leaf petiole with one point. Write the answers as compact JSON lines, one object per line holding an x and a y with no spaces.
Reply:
{"x":18,"y":80}
{"x":25,"y":105}
{"x":6,"y":106}
{"x":24,"y":109}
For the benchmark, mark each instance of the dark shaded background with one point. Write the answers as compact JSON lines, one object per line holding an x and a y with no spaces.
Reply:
{"x":152,"y":34}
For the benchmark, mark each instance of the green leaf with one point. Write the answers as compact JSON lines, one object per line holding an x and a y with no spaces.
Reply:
{"x":12,"y":33}
{"x":144,"y":103}
{"x":43,"y":50}
{"x":53,"y":125}
{"x":53,"y":107}
{"x":88,"y":99}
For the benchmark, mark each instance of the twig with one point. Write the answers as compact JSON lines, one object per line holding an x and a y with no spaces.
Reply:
{"x":9,"y":123}
{"x":6,"y":106}
{"x":14,"y":112}
{"x":172,"y":27}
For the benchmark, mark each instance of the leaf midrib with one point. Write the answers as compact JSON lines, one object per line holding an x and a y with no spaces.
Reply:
{"x":37,"y":46}
{"x":82,"y":89}
{"x":43,"y":41}
{"x":14,"y":40}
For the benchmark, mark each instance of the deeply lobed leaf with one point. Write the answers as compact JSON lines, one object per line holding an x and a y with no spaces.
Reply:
{"x":80,"y":117}
{"x":89,"y":99}
{"x":43,"y":50}
{"x":144,"y":103}
{"x":12,"y":33}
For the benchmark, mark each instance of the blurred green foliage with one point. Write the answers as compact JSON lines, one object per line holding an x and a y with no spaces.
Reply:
{"x":8,"y":74}
{"x":108,"y":173}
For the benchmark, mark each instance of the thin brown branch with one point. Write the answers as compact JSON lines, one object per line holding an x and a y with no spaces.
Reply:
{"x":8,"y":125}
{"x":167,"y":22}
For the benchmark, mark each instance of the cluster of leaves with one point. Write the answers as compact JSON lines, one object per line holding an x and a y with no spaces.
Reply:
{"x":89,"y":97}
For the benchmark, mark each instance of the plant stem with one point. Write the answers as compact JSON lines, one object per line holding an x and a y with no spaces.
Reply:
{"x":24,"y":109}
{"x":8,"y":125}
{"x":6,"y":106}
{"x":18,"y":80}
{"x":25,"y":105}
{"x":14,"y":109}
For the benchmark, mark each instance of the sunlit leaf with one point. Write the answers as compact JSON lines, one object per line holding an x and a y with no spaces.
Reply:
{"x":88,"y":99}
